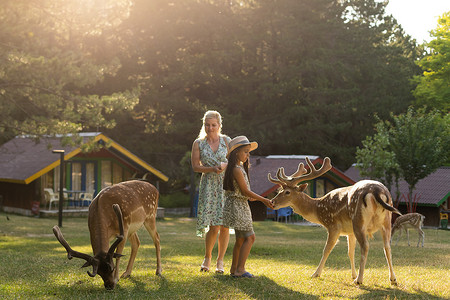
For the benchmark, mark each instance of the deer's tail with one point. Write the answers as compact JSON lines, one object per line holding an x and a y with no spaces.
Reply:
{"x":384,"y":204}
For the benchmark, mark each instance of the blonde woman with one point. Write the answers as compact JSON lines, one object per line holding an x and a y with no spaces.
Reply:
{"x":208,"y":157}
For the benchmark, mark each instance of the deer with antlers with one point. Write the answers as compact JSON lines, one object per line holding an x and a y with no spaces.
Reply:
{"x":406,"y":222}
{"x":355,"y":211}
{"x":117,"y":213}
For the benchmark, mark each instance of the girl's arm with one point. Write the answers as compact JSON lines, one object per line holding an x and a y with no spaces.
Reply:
{"x":197,"y":165}
{"x":239,"y":177}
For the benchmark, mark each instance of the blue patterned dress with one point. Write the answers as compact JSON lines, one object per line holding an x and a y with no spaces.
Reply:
{"x":211,"y":196}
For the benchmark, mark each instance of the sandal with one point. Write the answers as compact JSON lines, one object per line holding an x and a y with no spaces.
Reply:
{"x":205,"y":265}
{"x":219,"y":267}
{"x":245,"y":275}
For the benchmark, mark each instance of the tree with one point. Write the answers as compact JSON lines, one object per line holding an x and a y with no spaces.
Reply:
{"x":417,"y":142}
{"x":46,"y":70}
{"x":376,"y":160}
{"x":433,"y":87}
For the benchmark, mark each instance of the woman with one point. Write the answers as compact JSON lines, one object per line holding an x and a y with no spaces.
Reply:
{"x":208,"y":157}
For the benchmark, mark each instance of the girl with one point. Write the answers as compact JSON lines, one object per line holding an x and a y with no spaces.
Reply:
{"x":236,"y":212}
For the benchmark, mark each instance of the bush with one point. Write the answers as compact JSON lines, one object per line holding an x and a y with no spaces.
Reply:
{"x":178,"y":199}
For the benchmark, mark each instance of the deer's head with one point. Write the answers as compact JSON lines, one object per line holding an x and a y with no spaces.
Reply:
{"x":289,"y":185}
{"x":102,"y":263}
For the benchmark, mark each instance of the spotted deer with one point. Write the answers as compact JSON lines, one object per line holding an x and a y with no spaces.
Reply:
{"x":355,"y":211}
{"x":406,"y":222}
{"x":117,"y":212}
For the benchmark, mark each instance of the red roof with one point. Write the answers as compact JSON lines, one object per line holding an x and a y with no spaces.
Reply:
{"x":263,"y":165}
{"x":433,"y":190}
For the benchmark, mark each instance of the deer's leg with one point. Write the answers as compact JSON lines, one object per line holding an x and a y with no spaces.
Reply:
{"x":151,"y":228}
{"x":386,"y":235}
{"x":361,"y":237}
{"x":399,"y":236}
{"x":135,"y":243}
{"x":351,"y":241}
{"x":421,"y":236}
{"x":407,"y":234}
{"x":332,"y":238}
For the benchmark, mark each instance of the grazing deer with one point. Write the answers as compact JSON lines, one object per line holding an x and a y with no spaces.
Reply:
{"x":407,"y":221}
{"x":355,"y":211}
{"x":118,"y":212}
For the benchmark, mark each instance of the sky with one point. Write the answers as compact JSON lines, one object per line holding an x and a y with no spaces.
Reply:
{"x":418,"y":17}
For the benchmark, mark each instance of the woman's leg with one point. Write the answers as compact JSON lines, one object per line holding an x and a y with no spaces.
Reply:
{"x":243,"y":254}
{"x":210,"y":240}
{"x":224,"y":238}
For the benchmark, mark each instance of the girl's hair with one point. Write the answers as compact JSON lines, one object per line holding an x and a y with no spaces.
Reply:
{"x":210,"y":114}
{"x":232,"y":161}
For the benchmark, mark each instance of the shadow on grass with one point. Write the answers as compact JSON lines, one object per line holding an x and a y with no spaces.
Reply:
{"x":384,"y":293}
{"x":261,"y":287}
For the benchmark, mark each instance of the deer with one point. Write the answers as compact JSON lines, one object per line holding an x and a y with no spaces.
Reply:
{"x":355,"y":211}
{"x":117,"y":213}
{"x":407,"y":221}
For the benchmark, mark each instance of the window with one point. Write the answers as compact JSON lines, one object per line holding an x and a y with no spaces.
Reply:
{"x":117,"y":173}
{"x":90,"y":178}
{"x":76,"y":176}
{"x":320,"y":187}
{"x":106,"y":173}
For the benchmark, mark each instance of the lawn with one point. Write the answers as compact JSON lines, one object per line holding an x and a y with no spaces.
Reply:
{"x":33,"y":265}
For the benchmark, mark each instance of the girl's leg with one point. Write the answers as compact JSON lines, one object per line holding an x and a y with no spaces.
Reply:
{"x":210,"y":240}
{"x":243,"y":254}
{"x":236,"y":251}
{"x":224,"y":238}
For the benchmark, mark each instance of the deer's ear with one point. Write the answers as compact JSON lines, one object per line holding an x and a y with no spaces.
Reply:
{"x":302,"y":187}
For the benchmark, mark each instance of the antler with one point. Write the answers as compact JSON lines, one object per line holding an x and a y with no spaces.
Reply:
{"x":299,"y":175}
{"x":90,"y":260}
{"x":314,"y":173}
{"x":119,"y":238}
{"x":282,"y":178}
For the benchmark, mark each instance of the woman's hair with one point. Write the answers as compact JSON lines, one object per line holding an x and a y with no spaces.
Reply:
{"x":210,"y":114}
{"x":232,"y":161}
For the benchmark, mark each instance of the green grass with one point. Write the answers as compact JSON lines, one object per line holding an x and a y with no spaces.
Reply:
{"x":33,"y":265}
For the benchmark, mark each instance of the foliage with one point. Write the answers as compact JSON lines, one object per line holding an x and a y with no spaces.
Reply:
{"x":413,"y":145}
{"x":174,"y":200}
{"x":298,"y":76}
{"x":46,"y":72}
{"x":376,"y":159}
{"x":283,"y":258}
{"x":433,"y":87}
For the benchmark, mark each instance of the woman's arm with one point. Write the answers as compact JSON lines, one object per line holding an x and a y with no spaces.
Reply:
{"x":196,"y":163}
{"x":239,"y":177}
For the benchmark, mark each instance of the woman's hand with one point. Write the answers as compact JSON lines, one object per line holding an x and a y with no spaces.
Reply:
{"x":218,"y":169}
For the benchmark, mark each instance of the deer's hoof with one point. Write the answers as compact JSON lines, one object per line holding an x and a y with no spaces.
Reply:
{"x":158,"y":272}
{"x":315,"y":275}
{"x":125,"y":275}
{"x":357,"y":282}
{"x":394,"y":282}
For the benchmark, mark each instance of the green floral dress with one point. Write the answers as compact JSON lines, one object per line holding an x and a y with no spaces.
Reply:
{"x":211,"y":196}
{"x":236,"y":212}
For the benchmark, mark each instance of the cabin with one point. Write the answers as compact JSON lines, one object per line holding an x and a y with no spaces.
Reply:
{"x":260,"y":166}
{"x":431,"y":195}
{"x":30,"y":171}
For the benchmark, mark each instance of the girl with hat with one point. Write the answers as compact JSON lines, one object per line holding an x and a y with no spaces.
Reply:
{"x":236,"y":212}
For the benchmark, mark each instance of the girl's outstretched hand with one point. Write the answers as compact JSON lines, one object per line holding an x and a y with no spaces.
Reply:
{"x":268,"y":203}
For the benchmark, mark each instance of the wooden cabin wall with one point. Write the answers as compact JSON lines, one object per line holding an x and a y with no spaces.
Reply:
{"x":19,"y":198}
